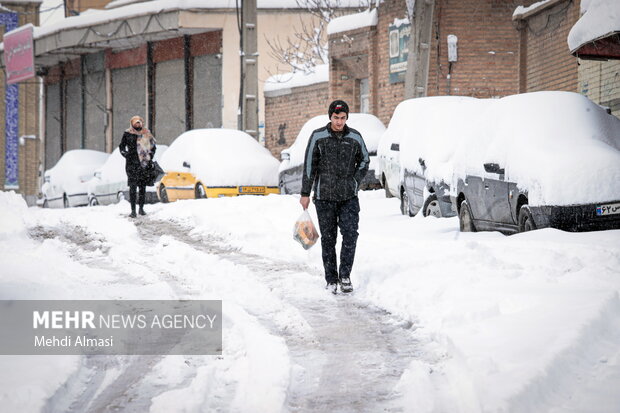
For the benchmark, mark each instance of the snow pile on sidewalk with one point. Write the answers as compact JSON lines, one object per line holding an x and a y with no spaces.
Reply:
{"x":520,"y":320}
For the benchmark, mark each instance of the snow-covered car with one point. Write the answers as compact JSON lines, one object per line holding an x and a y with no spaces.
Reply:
{"x":109,"y":183}
{"x":209,"y":163}
{"x":66,"y":184}
{"x":536,"y":160}
{"x":292,"y":164}
{"x":387,"y":170}
{"x":428,"y":130}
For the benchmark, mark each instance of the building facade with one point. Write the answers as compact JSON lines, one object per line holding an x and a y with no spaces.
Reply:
{"x":20,"y":137}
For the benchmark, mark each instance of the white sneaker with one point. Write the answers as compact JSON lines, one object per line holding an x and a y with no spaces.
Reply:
{"x":345,"y":285}
{"x":332,"y":287}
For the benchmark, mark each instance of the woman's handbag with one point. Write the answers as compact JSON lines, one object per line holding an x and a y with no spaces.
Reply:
{"x":154,"y":173}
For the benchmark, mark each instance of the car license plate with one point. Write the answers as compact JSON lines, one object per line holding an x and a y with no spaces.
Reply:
{"x":607,"y":209}
{"x":252,"y":190}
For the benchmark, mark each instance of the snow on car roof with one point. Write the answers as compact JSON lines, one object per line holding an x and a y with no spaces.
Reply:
{"x":429,"y":128}
{"x":222,"y":157}
{"x":368,"y":125}
{"x":559,"y":146}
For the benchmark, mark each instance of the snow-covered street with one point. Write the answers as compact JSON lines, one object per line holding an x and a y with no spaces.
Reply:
{"x":440,"y":321}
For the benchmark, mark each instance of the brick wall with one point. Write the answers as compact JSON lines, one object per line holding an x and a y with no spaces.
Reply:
{"x":286,"y":114}
{"x":548,"y":63}
{"x":349,"y":62}
{"x":600,"y":82}
{"x":487,"y":49}
{"x":385,"y":96}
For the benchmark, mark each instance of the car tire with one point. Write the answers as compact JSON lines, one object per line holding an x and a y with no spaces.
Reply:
{"x":93,"y":201}
{"x":466,"y":220}
{"x":388,"y":194}
{"x":163,"y":194}
{"x":526,"y":221}
{"x":65,"y":201}
{"x":199,"y":191}
{"x":120,"y":196}
{"x":404,"y":203}
{"x":431,"y":207}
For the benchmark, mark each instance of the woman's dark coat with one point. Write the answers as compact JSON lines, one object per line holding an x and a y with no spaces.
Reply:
{"x":136,"y":174}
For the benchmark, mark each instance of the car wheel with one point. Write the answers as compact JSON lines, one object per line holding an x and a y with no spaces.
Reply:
{"x":93,"y":201}
{"x":163,"y":194}
{"x":431,"y":207}
{"x":65,"y":201}
{"x":466,"y":221}
{"x":120,"y":196}
{"x":388,"y":194}
{"x":404,"y":204}
{"x":526,"y":222}
{"x":200,"y":191}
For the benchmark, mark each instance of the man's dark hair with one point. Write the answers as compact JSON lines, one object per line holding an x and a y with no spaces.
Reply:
{"x":338,"y":106}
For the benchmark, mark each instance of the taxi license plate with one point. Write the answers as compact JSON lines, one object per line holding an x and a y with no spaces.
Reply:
{"x":252,"y":190}
{"x":607,"y":209}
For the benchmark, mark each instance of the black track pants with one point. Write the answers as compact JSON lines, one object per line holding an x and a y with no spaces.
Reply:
{"x":132,"y":196}
{"x":334,"y":214}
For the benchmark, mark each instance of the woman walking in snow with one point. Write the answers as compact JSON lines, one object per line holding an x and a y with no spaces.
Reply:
{"x":138,"y":147}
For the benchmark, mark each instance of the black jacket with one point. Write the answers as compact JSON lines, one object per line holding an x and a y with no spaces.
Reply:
{"x":136,"y":174}
{"x":334,"y":167}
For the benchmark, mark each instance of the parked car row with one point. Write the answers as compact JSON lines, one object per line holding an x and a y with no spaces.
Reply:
{"x":522,"y":162}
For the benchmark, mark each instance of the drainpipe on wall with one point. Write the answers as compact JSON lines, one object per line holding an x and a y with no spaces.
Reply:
{"x":108,"y":110}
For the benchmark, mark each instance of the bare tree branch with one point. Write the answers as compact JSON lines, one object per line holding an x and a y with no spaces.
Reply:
{"x":307,"y":47}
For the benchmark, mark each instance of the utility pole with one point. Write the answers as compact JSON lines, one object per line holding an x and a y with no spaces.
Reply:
{"x":416,"y":77}
{"x":248,"y":96}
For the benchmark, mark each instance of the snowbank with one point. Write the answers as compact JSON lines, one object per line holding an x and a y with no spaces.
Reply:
{"x":222,"y":157}
{"x":353,"y":21}
{"x":559,"y":146}
{"x":297,"y":79}
{"x":368,"y":125}
{"x":601,"y":18}
{"x":12,"y":211}
{"x":528,"y":316}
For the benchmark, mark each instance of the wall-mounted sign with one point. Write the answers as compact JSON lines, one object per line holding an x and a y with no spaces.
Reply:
{"x":398,"y":35}
{"x":18,"y":54}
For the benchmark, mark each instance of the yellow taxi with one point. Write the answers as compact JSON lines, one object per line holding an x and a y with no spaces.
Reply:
{"x":212,"y":163}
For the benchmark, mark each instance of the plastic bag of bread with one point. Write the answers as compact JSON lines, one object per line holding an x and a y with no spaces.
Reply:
{"x":304,"y":231}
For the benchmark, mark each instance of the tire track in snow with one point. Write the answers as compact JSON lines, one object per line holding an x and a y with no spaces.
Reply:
{"x":351,"y":363}
{"x":90,"y":388}
{"x":358,"y":352}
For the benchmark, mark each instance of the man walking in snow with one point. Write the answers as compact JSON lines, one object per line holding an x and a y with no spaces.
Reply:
{"x":335,"y":163}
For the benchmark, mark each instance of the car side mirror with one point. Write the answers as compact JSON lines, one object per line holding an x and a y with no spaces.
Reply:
{"x":98,"y":174}
{"x":493,"y":168}
{"x":395,"y":147}
{"x":186,"y":164}
{"x":285,"y":156}
{"x":46,"y":178}
{"x":422,"y":163}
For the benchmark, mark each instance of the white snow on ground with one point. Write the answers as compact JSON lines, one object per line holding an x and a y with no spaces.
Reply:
{"x":527,"y":323}
{"x":289,"y":80}
{"x":602,"y":17}
{"x":353,"y":21}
